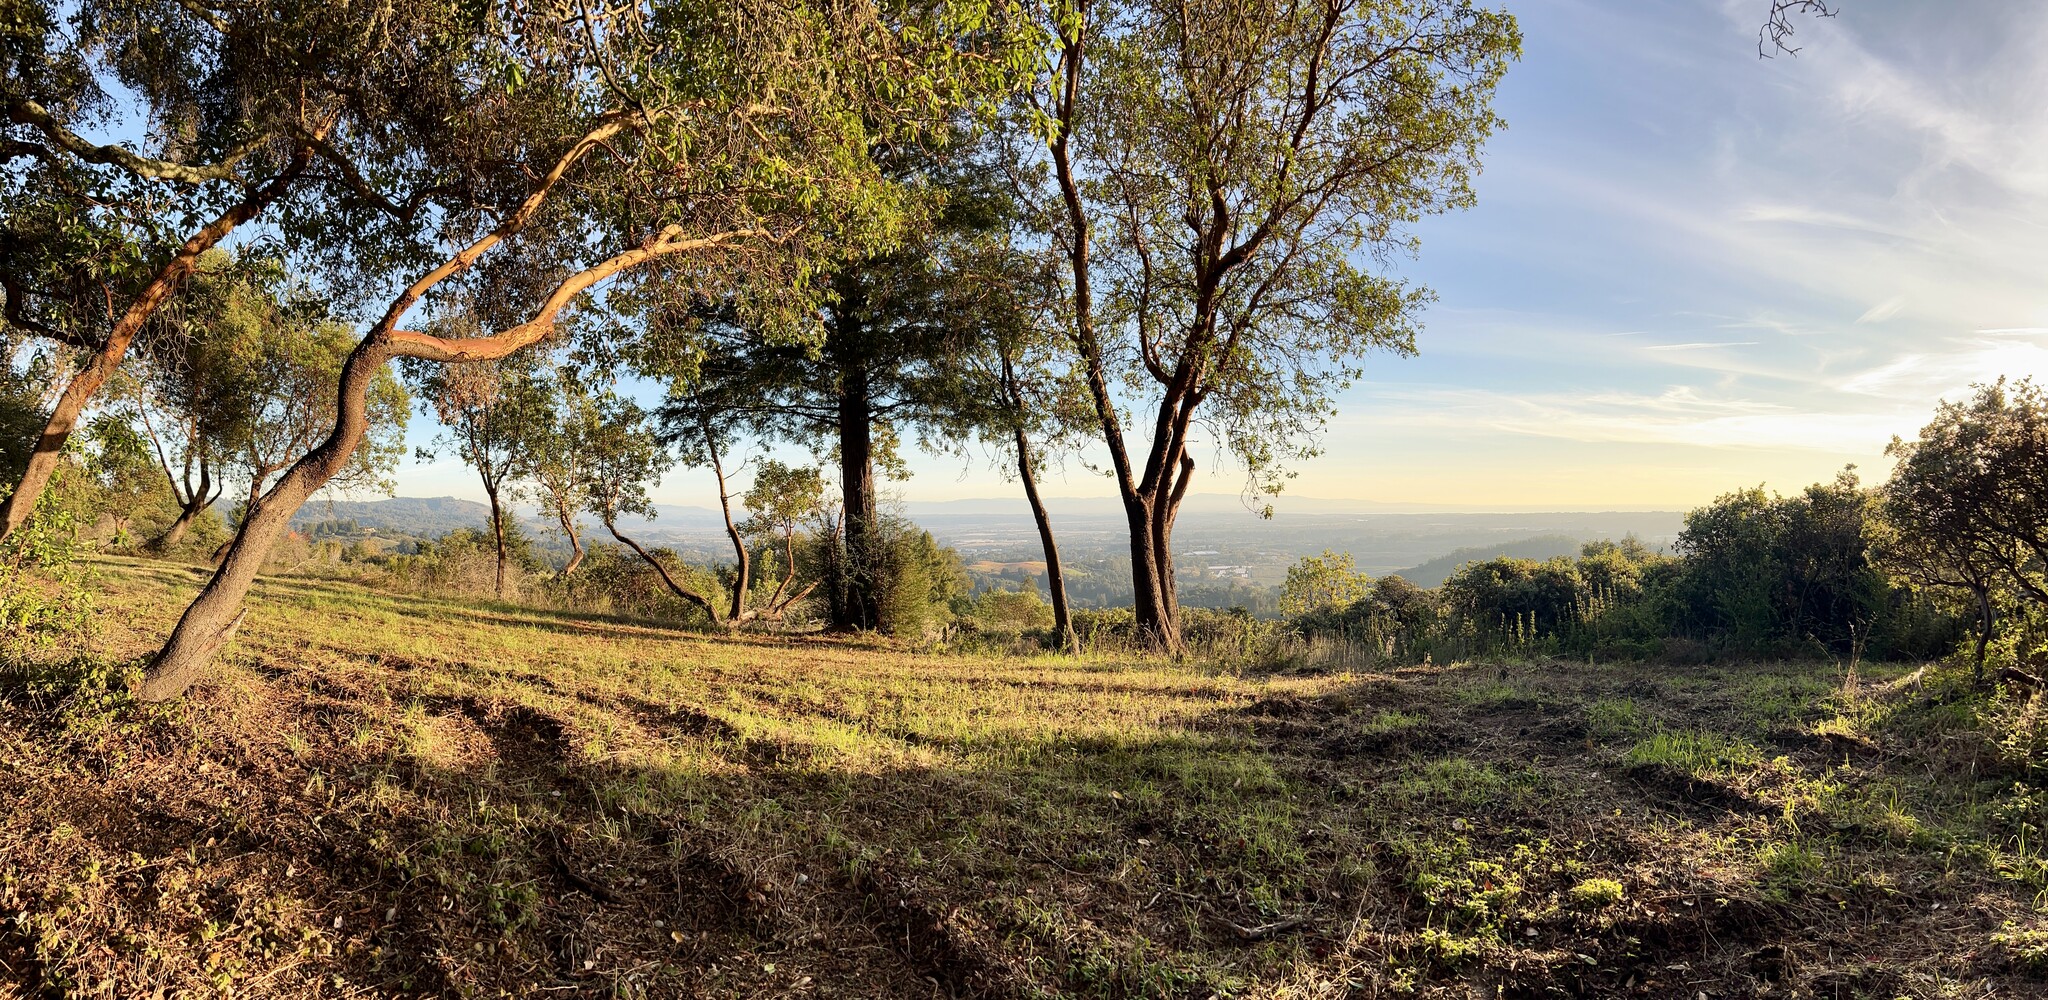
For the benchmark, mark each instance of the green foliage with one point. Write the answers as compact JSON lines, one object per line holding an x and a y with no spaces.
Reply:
{"x":126,"y":478}
{"x":1772,"y":574}
{"x":46,"y":593}
{"x":782,"y":498}
{"x":1595,"y":893}
{"x":2025,"y":947}
{"x":921,"y":581}
{"x":1514,"y":602}
{"x":1319,"y":583}
{"x":2018,"y":726}
{"x":1758,"y":575}
{"x":1009,"y":611}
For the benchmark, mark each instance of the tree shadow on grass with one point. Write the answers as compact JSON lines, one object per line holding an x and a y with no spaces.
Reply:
{"x":443,"y":833}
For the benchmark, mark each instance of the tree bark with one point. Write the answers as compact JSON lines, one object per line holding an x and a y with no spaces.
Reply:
{"x":1055,"y":580}
{"x":1984,"y":626}
{"x":743,"y":560}
{"x":1151,"y":586}
{"x":190,"y":506}
{"x":498,"y":534}
{"x":862,"y":608}
{"x":575,"y":543}
{"x":78,"y":393}
{"x":188,"y":512}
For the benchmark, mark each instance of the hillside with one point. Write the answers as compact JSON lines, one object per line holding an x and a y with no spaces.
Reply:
{"x":381,"y":795}
{"x":1434,"y":572}
{"x":421,"y":517}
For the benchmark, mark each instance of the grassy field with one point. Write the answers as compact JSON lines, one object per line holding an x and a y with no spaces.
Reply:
{"x":380,"y":794}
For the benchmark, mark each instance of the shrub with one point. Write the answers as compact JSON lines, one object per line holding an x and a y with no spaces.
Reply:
{"x":1009,"y":611}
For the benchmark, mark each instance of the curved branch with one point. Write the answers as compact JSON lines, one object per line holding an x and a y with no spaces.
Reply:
{"x":27,"y":112}
{"x":458,"y":350}
{"x":676,"y":588}
{"x":609,"y":126}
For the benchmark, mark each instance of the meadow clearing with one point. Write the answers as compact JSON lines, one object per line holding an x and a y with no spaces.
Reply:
{"x":379,"y":794}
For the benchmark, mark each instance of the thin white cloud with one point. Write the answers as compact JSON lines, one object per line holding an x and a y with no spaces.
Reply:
{"x":1701,"y":345}
{"x":1882,"y":311}
{"x":1678,"y":417}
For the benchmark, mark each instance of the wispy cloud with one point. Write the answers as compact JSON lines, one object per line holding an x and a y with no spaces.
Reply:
{"x":1701,"y":346}
{"x":1882,"y":311}
{"x":1677,"y":417}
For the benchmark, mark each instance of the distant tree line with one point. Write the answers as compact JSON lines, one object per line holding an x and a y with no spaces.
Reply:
{"x":1949,"y":554}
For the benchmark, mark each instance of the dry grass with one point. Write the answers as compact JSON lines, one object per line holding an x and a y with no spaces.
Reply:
{"x":384,"y":795}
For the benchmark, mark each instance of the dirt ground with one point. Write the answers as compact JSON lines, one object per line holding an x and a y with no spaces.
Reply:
{"x":382,"y":796}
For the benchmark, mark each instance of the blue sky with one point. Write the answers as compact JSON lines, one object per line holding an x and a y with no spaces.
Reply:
{"x":1690,"y":269}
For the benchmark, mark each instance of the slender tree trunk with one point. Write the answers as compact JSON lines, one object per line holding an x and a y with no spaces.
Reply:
{"x":575,"y":543}
{"x":1150,"y":577}
{"x":188,"y":512}
{"x":498,"y":535}
{"x":191,"y":505}
{"x":742,"y":559}
{"x":862,"y":609}
{"x":675,"y":588}
{"x":78,"y":393}
{"x":1984,"y":625}
{"x":1055,"y":580}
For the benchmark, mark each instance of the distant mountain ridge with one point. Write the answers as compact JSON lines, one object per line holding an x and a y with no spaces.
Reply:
{"x":425,"y":517}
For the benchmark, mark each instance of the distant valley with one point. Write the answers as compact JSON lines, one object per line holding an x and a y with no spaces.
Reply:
{"x":1226,"y":552}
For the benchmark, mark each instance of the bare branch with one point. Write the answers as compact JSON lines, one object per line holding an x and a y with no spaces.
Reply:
{"x":1776,"y":34}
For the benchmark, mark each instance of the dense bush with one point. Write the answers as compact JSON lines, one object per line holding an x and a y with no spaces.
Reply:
{"x":1756,"y":575}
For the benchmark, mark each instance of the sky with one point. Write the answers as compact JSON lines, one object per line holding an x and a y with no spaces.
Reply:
{"x":1690,"y":269}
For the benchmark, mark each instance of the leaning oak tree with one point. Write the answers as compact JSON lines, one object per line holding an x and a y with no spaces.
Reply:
{"x":707,"y":142}
{"x":1227,"y":174}
{"x":241,"y":110}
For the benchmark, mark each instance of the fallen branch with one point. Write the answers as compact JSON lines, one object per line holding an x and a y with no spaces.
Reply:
{"x":1263,"y":931}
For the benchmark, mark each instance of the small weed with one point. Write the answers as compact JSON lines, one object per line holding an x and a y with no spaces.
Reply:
{"x":2026,"y":948}
{"x":1615,"y":719}
{"x":1595,"y":893}
{"x":1699,"y":753}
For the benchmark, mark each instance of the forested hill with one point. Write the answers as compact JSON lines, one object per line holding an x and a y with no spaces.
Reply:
{"x":422,"y":517}
{"x":1436,"y":571}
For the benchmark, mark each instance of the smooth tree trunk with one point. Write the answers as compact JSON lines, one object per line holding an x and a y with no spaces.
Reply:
{"x":575,"y":542}
{"x":188,"y":512}
{"x":1055,"y":579}
{"x":191,"y":504}
{"x":79,"y":392}
{"x":742,"y":559}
